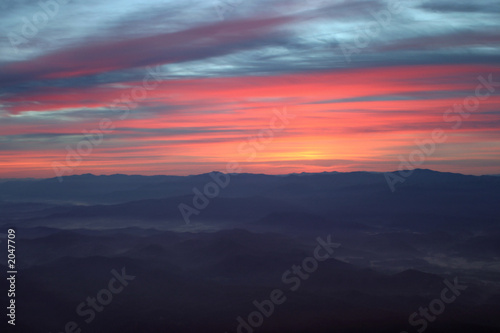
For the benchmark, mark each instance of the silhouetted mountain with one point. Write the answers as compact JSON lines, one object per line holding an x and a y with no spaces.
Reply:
{"x":398,"y":252}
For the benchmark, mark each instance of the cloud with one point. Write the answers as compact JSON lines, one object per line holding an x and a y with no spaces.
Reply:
{"x":457,"y":39}
{"x":101,"y":57}
{"x":224,"y":77}
{"x":461,"y":7}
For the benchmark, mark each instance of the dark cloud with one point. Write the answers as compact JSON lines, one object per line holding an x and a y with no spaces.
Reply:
{"x":461,"y":7}
{"x":187,"y":45}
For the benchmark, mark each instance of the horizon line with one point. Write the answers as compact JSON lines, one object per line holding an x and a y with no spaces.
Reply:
{"x":243,"y":173}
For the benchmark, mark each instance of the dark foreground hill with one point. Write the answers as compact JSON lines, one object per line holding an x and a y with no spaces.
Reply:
{"x":114,"y":253}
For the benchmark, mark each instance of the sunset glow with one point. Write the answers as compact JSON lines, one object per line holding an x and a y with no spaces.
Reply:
{"x":189,"y":99}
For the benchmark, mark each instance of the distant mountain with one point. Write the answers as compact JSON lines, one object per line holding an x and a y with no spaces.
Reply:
{"x":428,"y":200}
{"x":244,"y":240}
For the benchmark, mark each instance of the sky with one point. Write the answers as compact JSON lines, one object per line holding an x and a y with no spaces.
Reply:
{"x":270,"y":86}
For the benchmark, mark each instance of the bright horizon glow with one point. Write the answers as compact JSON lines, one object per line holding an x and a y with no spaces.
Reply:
{"x":205,"y":88}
